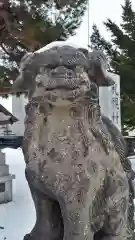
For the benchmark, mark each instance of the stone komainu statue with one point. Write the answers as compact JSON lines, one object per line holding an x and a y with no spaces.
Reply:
{"x":76,"y":179}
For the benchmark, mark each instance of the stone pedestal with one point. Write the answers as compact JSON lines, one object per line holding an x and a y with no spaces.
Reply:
{"x":5,"y":181}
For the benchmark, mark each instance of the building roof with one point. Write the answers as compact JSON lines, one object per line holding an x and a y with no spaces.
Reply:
{"x":6,"y":117}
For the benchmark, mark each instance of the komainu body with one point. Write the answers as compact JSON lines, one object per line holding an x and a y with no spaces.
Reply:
{"x":74,"y":173}
{"x":121,"y":148}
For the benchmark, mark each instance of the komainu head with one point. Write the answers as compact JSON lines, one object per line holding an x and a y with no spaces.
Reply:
{"x":62,"y":74}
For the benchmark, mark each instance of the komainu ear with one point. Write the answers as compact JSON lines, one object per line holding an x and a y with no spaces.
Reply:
{"x":25,"y":78}
{"x":98,"y":69}
{"x":84,"y":51}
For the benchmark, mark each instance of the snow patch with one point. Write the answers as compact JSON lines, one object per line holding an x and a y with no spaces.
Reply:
{"x":57,"y":44}
{"x":17,"y":217}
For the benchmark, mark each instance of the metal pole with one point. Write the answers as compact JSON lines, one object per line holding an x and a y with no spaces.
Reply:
{"x":88,"y":22}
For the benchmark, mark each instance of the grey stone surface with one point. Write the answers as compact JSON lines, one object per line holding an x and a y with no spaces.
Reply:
{"x":121,"y":149}
{"x":2,"y":158}
{"x":5,"y":181}
{"x":4,"y":170}
{"x":75,"y":175}
{"x":6,"y":196}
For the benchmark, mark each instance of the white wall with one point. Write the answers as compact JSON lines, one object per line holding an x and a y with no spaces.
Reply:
{"x":109,"y":98}
{"x":18,"y":110}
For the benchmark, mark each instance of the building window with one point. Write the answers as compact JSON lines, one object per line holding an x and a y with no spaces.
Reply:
{"x":2,"y":187}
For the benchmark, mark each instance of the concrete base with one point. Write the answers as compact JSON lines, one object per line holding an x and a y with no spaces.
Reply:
{"x":6,"y":188}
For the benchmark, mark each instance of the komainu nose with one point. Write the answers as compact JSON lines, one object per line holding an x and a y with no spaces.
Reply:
{"x":64,"y":77}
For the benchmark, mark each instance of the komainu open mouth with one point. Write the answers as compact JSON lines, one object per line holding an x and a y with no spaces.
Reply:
{"x":61,"y":88}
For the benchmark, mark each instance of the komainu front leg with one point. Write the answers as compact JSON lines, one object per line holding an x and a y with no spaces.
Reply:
{"x":48,"y":224}
{"x":76,"y":221}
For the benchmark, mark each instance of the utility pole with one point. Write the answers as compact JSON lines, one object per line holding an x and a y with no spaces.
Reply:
{"x":88,"y":23}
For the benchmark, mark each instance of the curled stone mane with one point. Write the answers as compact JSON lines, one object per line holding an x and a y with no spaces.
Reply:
{"x":121,"y":148}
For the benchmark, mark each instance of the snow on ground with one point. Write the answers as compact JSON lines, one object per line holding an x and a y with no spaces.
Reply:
{"x":17,"y":217}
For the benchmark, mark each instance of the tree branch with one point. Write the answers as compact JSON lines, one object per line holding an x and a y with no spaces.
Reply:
{"x":130,"y":100}
{"x":4,"y":49}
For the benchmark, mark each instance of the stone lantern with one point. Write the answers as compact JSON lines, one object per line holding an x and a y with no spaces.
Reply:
{"x":6,"y":118}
